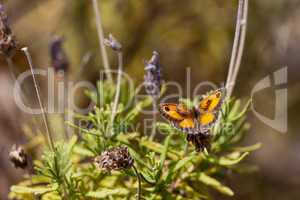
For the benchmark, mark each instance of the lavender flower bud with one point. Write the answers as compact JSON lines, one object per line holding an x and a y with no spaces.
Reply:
{"x":18,"y":157}
{"x":116,"y":158}
{"x":8,"y":43}
{"x":59,"y":58}
{"x":152,"y":78}
{"x":113,"y":43}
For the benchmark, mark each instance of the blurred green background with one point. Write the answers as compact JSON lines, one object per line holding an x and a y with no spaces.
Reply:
{"x":191,"y":33}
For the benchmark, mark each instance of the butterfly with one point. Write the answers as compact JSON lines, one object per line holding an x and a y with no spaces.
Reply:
{"x":196,"y":121}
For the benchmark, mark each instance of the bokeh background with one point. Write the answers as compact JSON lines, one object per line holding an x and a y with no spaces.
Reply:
{"x":191,"y":33}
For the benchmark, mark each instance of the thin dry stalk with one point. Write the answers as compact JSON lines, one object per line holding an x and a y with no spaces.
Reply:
{"x":238,"y":45}
{"x":83,"y":64}
{"x":118,"y":86}
{"x":236,"y":39}
{"x":67,"y":112}
{"x":101,"y":39}
{"x":241,"y":45}
{"x":45,"y":118}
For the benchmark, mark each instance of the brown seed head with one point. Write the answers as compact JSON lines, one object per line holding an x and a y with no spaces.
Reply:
{"x":116,"y":158}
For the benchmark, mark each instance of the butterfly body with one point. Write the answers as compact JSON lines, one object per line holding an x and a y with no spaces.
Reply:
{"x":195,"y":121}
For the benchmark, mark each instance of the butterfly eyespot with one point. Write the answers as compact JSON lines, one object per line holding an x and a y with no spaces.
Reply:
{"x":218,"y":94}
{"x":167,"y":109}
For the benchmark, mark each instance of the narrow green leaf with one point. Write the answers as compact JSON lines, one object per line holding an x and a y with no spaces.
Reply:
{"x":214,"y":183}
{"x":234,"y":109}
{"x":232,"y":159}
{"x":248,"y":148}
{"x":242,"y":113}
{"x":137,"y":157}
{"x":146,"y":176}
{"x":33,"y":190}
{"x":105,"y":192}
{"x":158,"y":148}
{"x":164,"y":127}
{"x":82,"y":151}
{"x":182,"y":163}
{"x":165,"y":151}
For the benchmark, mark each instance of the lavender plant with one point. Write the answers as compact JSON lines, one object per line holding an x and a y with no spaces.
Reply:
{"x":112,"y":158}
{"x":85,"y":168}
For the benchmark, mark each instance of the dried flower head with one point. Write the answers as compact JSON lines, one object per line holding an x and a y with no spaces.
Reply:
{"x":152,"y":78}
{"x":200,"y":141}
{"x":59,"y":58}
{"x":8,"y":43}
{"x":18,"y":157}
{"x":116,"y":158}
{"x":113,"y":43}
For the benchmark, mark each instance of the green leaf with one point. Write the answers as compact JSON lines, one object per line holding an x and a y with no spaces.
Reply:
{"x":72,"y":143}
{"x":243,"y":112}
{"x":180,"y":164}
{"x":164,"y":127}
{"x":124,"y":138}
{"x":187,"y":102}
{"x":165,"y":151}
{"x":137,"y":157}
{"x":232,"y":158}
{"x":248,"y":148}
{"x":133,"y":113}
{"x":105,"y":192}
{"x":234,"y":109}
{"x":33,"y":190}
{"x":82,"y":151}
{"x":214,"y":183}
{"x":158,"y":148}
{"x":147,"y":177}
{"x":183,"y":162}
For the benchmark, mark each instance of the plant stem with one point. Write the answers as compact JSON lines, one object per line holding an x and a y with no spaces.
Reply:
{"x":67,"y":111}
{"x":186,"y":148}
{"x":139,"y":183}
{"x":241,"y":45}
{"x":238,"y":45}
{"x":235,"y":41}
{"x":101,"y":39}
{"x":84,"y":61}
{"x":153,"y":131}
{"x":118,"y":87}
{"x":45,"y":118}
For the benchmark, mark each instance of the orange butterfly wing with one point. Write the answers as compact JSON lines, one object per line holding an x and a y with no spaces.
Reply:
{"x":211,"y":102}
{"x":178,"y":115}
{"x":209,"y":107}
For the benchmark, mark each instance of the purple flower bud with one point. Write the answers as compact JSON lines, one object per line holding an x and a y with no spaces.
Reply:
{"x":113,"y":43}
{"x":59,"y":58}
{"x":152,"y":78}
